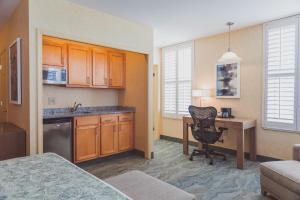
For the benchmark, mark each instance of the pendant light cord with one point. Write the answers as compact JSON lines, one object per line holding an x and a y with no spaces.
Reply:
{"x":229,"y":24}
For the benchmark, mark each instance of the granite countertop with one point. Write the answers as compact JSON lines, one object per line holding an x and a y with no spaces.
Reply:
{"x":54,"y":113}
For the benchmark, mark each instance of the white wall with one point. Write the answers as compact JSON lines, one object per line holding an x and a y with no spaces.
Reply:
{"x":65,"y":19}
{"x":65,"y":97}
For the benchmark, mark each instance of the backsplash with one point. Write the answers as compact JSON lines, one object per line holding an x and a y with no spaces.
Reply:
{"x":61,"y":97}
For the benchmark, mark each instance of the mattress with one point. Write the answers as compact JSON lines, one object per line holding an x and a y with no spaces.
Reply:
{"x":50,"y":176}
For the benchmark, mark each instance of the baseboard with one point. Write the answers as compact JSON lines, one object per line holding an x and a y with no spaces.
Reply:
{"x":260,"y":158}
{"x":112,"y":157}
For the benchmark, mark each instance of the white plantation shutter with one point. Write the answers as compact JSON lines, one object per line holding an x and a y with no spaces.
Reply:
{"x":177,"y":79}
{"x":170,"y":64}
{"x":184,"y":79}
{"x":281,"y":74}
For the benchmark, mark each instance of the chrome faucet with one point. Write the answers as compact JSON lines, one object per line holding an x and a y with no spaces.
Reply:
{"x":75,"y":107}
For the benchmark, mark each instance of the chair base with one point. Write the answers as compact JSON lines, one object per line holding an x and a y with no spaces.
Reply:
{"x":209,"y":153}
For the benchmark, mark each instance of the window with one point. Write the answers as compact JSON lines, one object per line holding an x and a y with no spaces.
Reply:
{"x":177,"y":79}
{"x":281,"y":90}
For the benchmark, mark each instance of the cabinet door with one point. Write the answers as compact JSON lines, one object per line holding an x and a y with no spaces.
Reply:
{"x":79,"y":67}
{"x":125,"y":135}
{"x":116,"y":70}
{"x":109,"y":139}
{"x":54,"y":52}
{"x":100,"y":68}
{"x":86,"y":143}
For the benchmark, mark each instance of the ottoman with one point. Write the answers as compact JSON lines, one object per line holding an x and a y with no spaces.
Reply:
{"x":281,"y":179}
{"x":140,"y":186}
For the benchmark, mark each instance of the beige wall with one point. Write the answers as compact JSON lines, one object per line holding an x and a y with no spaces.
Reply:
{"x":67,"y":20}
{"x":248,"y":44}
{"x":17,"y":26}
{"x":65,"y":97}
{"x":136,"y":95}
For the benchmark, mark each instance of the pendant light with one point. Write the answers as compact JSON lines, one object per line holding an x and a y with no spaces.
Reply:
{"x":229,"y":56}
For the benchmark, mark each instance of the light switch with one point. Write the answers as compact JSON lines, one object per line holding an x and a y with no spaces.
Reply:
{"x":51,"y":101}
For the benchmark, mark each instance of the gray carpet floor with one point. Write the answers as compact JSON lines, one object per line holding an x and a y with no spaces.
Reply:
{"x":222,"y":181}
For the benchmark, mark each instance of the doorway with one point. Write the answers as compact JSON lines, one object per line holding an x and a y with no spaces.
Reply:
{"x":3,"y":87}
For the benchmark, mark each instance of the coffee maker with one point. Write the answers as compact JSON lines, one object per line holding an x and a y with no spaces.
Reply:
{"x":226,"y":113}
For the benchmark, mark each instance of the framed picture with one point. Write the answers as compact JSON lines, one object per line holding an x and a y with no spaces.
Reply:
{"x":14,"y":55}
{"x":228,"y":80}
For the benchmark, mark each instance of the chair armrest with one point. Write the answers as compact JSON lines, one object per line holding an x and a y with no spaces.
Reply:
{"x":296,"y":152}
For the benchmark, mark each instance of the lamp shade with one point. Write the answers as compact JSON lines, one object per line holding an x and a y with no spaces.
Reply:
{"x":201,"y":93}
{"x":229,"y":57}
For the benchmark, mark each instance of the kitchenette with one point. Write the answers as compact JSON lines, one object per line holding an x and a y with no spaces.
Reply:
{"x":95,"y":100}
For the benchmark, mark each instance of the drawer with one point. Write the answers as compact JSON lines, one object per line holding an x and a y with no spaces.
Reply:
{"x":109,"y":119}
{"x":125,"y":117}
{"x":84,"y":121}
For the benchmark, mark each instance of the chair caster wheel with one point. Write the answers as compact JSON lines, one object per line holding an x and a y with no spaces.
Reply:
{"x":191,"y":159}
{"x":211,"y":163}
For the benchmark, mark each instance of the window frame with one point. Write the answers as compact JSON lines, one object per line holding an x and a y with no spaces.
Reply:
{"x":279,"y":126}
{"x":176,"y":48}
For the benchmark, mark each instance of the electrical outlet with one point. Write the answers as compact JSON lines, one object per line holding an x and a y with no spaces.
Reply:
{"x":51,"y":101}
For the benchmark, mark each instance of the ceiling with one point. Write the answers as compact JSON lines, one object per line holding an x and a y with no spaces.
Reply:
{"x":176,"y":21}
{"x":183,"y":19}
{"x":7,"y":8}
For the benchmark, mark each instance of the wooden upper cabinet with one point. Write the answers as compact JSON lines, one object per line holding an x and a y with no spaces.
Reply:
{"x":79,"y":65}
{"x":116,"y":70}
{"x":87,"y":65}
{"x":100,"y":67}
{"x":54,"y":52}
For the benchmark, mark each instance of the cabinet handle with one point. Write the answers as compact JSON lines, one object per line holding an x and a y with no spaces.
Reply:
{"x":120,"y":128}
{"x":109,"y":120}
{"x":110,"y":81}
{"x":105,"y":81}
{"x":88,"y":80}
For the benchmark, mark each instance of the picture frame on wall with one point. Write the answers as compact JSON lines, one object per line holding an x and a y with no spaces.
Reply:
{"x":14,"y":59}
{"x":228,"y":80}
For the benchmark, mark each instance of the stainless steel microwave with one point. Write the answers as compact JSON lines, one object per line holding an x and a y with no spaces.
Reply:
{"x":55,"y":76}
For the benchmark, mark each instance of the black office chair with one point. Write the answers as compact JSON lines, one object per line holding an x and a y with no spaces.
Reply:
{"x":205,"y":131}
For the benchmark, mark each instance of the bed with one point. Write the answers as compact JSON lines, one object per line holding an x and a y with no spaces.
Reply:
{"x":50,"y":176}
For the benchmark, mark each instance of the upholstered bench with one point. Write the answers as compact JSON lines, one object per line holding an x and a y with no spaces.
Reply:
{"x":140,"y":186}
{"x":281,"y":179}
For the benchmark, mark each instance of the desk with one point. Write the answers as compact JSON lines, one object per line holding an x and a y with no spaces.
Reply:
{"x":239,"y":126}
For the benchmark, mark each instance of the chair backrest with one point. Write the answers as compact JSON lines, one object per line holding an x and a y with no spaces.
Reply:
{"x":204,"y":129}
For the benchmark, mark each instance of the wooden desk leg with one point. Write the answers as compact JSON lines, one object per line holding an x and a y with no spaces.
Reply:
{"x":185,"y":137}
{"x":253,"y":143}
{"x":240,"y":138}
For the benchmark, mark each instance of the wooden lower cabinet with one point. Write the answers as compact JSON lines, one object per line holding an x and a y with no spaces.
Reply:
{"x":87,"y":143}
{"x":125,"y":136}
{"x":109,"y":139}
{"x":105,"y":135}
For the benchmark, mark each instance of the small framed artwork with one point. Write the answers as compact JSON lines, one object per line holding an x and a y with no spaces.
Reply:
{"x":228,"y":80}
{"x":14,"y":55}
